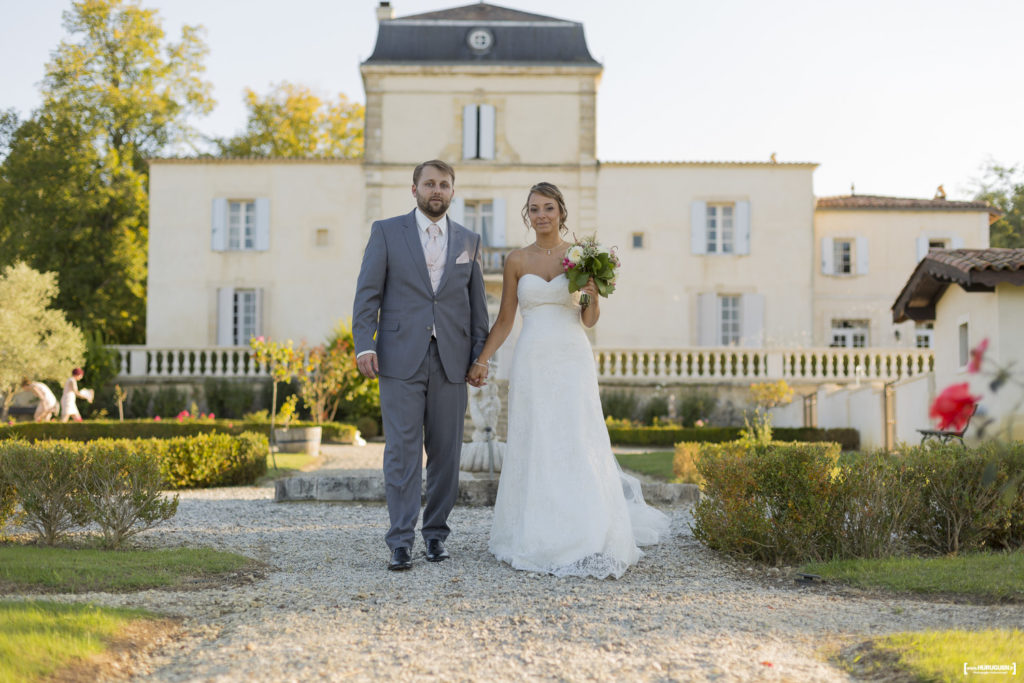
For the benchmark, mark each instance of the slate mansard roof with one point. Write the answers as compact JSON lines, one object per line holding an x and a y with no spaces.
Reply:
{"x":975,"y":270}
{"x":517,"y":38}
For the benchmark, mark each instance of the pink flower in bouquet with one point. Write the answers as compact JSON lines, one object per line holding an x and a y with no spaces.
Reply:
{"x":954,"y":406}
{"x":977,"y":356}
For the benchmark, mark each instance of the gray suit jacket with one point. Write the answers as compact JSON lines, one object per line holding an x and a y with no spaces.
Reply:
{"x":395,"y":306}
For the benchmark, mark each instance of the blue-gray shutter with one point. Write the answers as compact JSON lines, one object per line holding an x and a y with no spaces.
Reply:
{"x":219,"y":225}
{"x":957,"y":242}
{"x":922,"y":247}
{"x":262,"y":224}
{"x":487,"y":128}
{"x":699,"y":228}
{"x":457,"y":210}
{"x":498,"y":224}
{"x":226,"y":316}
{"x":469,"y":132}
{"x":752,"y":317}
{"x":741,"y":227}
{"x":708,"y":333}
{"x":828,"y":267}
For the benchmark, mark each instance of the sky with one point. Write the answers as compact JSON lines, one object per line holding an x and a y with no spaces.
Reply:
{"x":894,"y":96}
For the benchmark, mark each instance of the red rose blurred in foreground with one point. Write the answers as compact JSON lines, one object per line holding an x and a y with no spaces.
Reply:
{"x":954,"y":406}
{"x":977,"y":355}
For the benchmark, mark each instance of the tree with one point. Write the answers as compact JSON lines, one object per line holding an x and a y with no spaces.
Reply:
{"x":73,"y":187}
{"x":331,"y":379}
{"x":38,"y":341}
{"x":293,"y":122}
{"x":1003,"y":188}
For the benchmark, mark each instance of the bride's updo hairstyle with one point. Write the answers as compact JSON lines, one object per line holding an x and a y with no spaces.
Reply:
{"x":551,"y":192}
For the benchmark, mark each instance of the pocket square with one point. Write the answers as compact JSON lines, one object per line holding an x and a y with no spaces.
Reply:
{"x":462,"y":258}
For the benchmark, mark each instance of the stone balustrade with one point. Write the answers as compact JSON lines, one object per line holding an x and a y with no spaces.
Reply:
{"x":633,"y":366}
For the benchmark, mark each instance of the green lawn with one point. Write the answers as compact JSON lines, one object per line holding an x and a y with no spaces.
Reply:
{"x":39,"y":638}
{"x":70,"y":570}
{"x":288,"y":464}
{"x":657,"y":464}
{"x":987,"y":575}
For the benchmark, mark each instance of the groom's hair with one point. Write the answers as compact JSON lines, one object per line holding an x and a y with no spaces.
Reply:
{"x":436,"y":163}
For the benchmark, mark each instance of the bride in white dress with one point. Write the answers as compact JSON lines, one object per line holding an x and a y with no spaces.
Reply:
{"x":564,"y":506}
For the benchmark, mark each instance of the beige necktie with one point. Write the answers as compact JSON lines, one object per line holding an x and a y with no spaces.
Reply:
{"x":432,"y":252}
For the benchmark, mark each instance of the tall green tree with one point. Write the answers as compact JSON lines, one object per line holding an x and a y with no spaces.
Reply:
{"x":294,"y":122}
{"x":1003,"y":187}
{"x":74,"y":183}
{"x":38,"y":343}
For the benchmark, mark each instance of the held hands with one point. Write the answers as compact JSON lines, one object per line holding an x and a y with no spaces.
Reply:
{"x":367,"y":364}
{"x":477,"y":375}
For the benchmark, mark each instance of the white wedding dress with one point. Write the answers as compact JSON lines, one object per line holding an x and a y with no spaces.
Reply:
{"x":564,"y":506}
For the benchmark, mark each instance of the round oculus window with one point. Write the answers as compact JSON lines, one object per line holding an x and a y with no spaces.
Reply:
{"x":480,"y":39}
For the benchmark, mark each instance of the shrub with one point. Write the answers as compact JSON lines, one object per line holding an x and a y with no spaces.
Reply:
{"x":696,"y":406}
{"x":163,"y":429}
{"x":875,"y":498}
{"x":138,"y":403}
{"x":622,"y":405}
{"x":8,"y":498}
{"x":46,"y":482}
{"x":655,"y":408}
{"x":122,"y":487}
{"x":228,"y":398}
{"x":768,"y":502}
{"x":211,"y":459}
{"x":848,"y":439}
{"x":368,"y":427}
{"x":684,"y":466}
{"x":168,"y":402}
{"x":962,"y":495}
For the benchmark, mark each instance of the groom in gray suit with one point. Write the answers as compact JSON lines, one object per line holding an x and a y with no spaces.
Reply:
{"x":419,"y":322}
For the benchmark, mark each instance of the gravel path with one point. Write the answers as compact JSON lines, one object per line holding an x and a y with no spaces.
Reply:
{"x":328,"y":610}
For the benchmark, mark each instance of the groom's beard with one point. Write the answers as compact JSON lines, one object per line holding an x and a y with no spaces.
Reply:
{"x":433,"y":207}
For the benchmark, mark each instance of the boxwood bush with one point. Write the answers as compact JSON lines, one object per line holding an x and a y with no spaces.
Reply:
{"x":156,"y":429}
{"x":848,"y":439}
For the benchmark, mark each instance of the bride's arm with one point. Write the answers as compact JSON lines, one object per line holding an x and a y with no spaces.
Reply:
{"x":506,"y":311}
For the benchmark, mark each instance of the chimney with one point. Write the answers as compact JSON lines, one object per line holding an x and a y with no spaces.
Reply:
{"x":385,"y":11}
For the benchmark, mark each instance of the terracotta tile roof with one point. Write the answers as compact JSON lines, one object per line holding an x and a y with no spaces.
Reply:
{"x":974,"y":270}
{"x":866,"y":201}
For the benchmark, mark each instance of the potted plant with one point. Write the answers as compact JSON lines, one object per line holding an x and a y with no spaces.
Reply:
{"x":296,"y":439}
{"x":283,"y":362}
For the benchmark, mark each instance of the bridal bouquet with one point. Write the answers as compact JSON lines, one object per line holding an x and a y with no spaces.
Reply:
{"x":585,"y":260}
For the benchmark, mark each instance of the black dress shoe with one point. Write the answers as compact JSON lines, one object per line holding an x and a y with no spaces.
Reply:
{"x":436,"y":551}
{"x":400,"y":559}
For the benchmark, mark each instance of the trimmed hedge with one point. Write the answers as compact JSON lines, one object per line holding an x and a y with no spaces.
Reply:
{"x":156,"y":429}
{"x":848,"y":439}
{"x":210,"y":460}
{"x":793,"y":502}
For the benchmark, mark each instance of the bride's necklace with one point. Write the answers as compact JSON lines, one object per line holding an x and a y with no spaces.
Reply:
{"x":540,"y":248}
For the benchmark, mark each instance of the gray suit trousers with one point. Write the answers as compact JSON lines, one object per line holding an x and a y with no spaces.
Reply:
{"x":423,"y":411}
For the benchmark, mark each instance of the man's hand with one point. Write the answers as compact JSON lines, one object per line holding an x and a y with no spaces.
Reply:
{"x":367,"y":364}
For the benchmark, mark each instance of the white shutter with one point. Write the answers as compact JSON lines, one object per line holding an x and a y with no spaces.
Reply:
{"x":862,"y":256}
{"x":457,"y":210}
{"x":218,"y":225}
{"x":487,"y":115}
{"x":469,"y":148}
{"x":226,"y":316}
{"x":957,"y":242}
{"x":752,"y":333}
{"x":827,"y":255}
{"x":741,"y":227}
{"x":922,"y":247}
{"x":262,"y":224}
{"x":699,"y":228}
{"x":498,"y":225}
{"x":707,"y":320}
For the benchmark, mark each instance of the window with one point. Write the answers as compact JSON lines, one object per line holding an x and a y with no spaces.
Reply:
{"x":244,"y":316}
{"x":964,"y":341}
{"x":239,"y":315}
{"x":926,"y":243}
{"x":849,"y":334}
{"x":478,"y":131}
{"x":923,"y":335}
{"x":730,"y":320}
{"x":938,"y":244}
{"x":842,"y":256}
{"x":719,"y":221}
{"x":241,"y":224}
{"x":478,"y":216}
{"x":638,"y":240}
